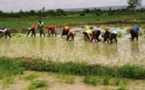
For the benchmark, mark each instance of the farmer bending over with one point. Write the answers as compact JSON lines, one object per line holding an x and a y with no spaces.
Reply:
{"x":65,"y":31}
{"x":6,"y":32}
{"x":134,"y":33}
{"x":70,"y":35}
{"x":32,"y":29}
{"x":52,"y":30}
{"x":87,"y":34}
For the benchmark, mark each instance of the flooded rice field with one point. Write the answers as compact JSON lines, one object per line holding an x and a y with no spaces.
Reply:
{"x":59,"y":50}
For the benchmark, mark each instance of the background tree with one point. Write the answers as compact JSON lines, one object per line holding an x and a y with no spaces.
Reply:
{"x":133,"y":3}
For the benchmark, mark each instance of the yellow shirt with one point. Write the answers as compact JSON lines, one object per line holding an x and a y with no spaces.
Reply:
{"x":89,"y":32}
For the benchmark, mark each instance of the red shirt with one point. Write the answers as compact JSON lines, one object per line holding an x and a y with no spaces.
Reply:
{"x":52,"y":27}
{"x":71,"y":32}
{"x":33,"y":26}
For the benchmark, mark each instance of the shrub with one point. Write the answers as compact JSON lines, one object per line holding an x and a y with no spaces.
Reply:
{"x":82,"y":14}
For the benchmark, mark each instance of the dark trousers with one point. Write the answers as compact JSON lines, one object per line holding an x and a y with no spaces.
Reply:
{"x":64,"y":32}
{"x":7,"y":34}
{"x":113,"y":36}
{"x":70,"y":37}
{"x":51,"y":32}
{"x":42,"y":33}
{"x":33,"y":33}
{"x":134,"y":35}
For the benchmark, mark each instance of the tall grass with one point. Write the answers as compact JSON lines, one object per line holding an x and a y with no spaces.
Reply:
{"x":127,"y":71}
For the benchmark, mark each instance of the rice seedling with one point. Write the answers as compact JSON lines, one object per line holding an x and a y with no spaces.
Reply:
{"x":92,"y":80}
{"x":122,"y":88}
{"x":68,"y":79}
{"x":117,"y":81}
{"x":106,"y":80}
{"x":119,"y":34}
{"x":37,"y":84}
{"x":91,"y":27}
{"x":7,"y":81}
{"x":83,"y":27}
{"x":31,"y":77}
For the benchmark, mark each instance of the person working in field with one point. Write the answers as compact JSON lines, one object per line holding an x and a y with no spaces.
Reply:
{"x":134,"y":33}
{"x":65,"y":31}
{"x":40,"y":27}
{"x":32,"y":29}
{"x":5,"y":31}
{"x":106,"y":35}
{"x":87,"y":34}
{"x":95,"y":35}
{"x":113,"y":36}
{"x":52,"y":30}
{"x":70,"y":35}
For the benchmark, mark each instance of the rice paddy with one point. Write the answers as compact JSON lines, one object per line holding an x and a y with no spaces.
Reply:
{"x":57,"y":49}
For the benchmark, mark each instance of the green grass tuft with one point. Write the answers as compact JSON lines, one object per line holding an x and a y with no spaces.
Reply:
{"x":37,"y":84}
{"x":31,"y":77}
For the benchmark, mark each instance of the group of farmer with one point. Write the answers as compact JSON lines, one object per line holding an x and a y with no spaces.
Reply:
{"x":34,"y":27}
{"x":108,"y":36}
{"x":51,"y":31}
{"x":91,"y":35}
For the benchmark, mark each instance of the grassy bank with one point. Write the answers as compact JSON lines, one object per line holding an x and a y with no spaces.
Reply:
{"x":17,"y":66}
{"x":26,"y":22}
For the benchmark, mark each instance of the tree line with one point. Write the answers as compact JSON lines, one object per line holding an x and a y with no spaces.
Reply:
{"x":131,"y":9}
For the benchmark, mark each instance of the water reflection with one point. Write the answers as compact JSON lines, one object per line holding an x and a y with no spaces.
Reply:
{"x":33,"y":44}
{"x":110,"y":50}
{"x":5,"y":46}
{"x":135,"y":47}
{"x":135,"y":50}
{"x":41,"y":45}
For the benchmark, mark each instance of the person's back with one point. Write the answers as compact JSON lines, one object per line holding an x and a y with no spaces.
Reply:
{"x":33,"y":28}
{"x":115,"y":31}
{"x":134,"y":33}
{"x":89,"y":32}
{"x":136,"y":29}
{"x":70,"y":35}
{"x":52,"y":27}
{"x":65,"y":30}
{"x":51,"y":30}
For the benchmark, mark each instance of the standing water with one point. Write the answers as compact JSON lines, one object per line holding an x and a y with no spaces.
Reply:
{"x":59,"y":50}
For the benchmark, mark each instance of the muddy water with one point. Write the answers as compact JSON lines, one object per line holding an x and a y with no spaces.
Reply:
{"x":57,"y":49}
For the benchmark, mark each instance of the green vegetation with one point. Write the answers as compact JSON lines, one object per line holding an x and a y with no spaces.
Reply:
{"x":68,"y":79}
{"x":31,"y":76}
{"x":91,"y":80}
{"x":127,"y":71}
{"x":76,"y":18}
{"x":37,"y":84}
{"x":122,"y":88}
{"x":133,"y":3}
